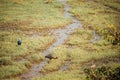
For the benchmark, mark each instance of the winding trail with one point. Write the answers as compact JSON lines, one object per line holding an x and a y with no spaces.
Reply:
{"x":61,"y":35}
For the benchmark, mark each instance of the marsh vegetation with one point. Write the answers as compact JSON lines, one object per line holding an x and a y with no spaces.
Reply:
{"x":81,"y":56}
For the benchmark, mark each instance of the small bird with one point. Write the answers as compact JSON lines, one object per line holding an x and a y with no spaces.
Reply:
{"x":19,"y":42}
{"x":49,"y":56}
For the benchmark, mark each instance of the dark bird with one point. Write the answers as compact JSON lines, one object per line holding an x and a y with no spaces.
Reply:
{"x":49,"y":56}
{"x":19,"y":42}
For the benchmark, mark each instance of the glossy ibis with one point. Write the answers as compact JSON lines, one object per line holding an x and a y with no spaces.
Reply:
{"x":49,"y":56}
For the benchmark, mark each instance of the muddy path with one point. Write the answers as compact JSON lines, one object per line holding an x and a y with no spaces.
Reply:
{"x":61,"y":35}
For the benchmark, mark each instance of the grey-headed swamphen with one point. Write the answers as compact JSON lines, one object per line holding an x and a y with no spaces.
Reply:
{"x":19,"y":42}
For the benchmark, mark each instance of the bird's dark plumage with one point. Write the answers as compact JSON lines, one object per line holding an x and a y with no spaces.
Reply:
{"x":49,"y":56}
{"x":19,"y":42}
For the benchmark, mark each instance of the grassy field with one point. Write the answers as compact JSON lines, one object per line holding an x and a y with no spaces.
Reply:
{"x":78,"y":50}
{"x":33,"y":21}
{"x":80,"y":53}
{"x":94,"y":13}
{"x":31,"y":14}
{"x":99,"y":15}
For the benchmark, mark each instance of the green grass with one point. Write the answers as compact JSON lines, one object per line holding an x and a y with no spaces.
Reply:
{"x":112,"y":4}
{"x":80,"y":54}
{"x":33,"y":20}
{"x":11,"y":52}
{"x":9,"y":45}
{"x":35,"y":58}
{"x":55,"y":64}
{"x":94,"y":13}
{"x":62,"y":76}
{"x":6,"y":71}
{"x":78,"y":49}
{"x":33,"y":14}
{"x":5,"y":60}
{"x":80,"y":36}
